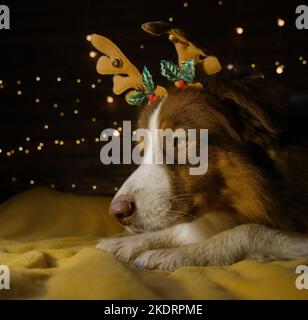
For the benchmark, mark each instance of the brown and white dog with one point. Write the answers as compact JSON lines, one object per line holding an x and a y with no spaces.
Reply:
{"x":251,"y":204}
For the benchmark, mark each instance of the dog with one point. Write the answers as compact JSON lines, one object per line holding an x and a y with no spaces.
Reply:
{"x":251,"y":204}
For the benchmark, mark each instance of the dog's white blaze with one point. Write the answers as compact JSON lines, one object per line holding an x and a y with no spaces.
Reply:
{"x":149,"y":185}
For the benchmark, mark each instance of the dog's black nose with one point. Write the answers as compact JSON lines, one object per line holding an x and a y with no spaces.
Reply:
{"x":122,"y":208}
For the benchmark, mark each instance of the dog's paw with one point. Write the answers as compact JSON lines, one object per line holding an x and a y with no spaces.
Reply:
{"x":163,"y":259}
{"x":123,"y":248}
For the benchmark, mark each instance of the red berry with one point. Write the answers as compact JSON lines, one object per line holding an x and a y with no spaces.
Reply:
{"x":152,"y":97}
{"x":185,"y":87}
{"x":180,"y":84}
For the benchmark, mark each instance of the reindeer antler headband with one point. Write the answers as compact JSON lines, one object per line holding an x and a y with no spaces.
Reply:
{"x":141,"y":87}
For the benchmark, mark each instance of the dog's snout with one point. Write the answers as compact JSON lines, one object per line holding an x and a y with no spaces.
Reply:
{"x":122,"y":208}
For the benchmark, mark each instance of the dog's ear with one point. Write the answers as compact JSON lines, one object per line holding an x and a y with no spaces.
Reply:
{"x":261,"y":105}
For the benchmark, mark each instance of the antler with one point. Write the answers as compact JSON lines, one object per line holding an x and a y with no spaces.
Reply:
{"x":185,"y":49}
{"x":114,"y":62}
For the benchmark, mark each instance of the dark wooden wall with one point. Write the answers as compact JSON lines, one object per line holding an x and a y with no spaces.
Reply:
{"x":48,"y":40}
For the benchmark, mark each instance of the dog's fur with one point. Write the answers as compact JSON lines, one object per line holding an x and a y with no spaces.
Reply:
{"x":252,"y":202}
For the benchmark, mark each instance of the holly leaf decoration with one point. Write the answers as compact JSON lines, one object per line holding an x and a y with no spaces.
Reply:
{"x":188,"y":71}
{"x":138,"y":99}
{"x":147,"y":80}
{"x":170,"y":70}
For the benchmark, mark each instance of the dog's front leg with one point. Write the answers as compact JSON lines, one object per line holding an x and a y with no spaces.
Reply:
{"x":250,"y":241}
{"x":127,"y":248}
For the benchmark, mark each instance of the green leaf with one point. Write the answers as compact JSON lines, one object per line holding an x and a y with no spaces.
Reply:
{"x":138,"y":99}
{"x":170,"y":70}
{"x":147,"y":80}
{"x":188,"y":71}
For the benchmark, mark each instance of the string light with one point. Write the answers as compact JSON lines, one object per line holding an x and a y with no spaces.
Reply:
{"x":61,"y":142}
{"x":253,"y":65}
{"x":38,"y":79}
{"x":116,"y":133}
{"x":304,"y":62}
{"x":18,"y":82}
{"x":185,"y":4}
{"x":230,"y":66}
{"x":109,"y":99}
{"x":99,"y":80}
{"x":280,"y":22}
{"x":142,"y":46}
{"x":94,"y":187}
{"x":239,"y":30}
{"x":55,"y":105}
{"x":1,"y":82}
{"x":170,"y":19}
{"x":59,"y":79}
{"x":93,"y":119}
{"x":220,"y":3}
{"x":78,"y":80}
{"x":115,"y":189}
{"x":76,"y":111}
{"x":96,"y":139}
{"x":89,"y":37}
{"x":61,"y":114}
{"x":20,"y":148}
{"x":93,"y":54}
{"x":37,"y":100}
{"x":73,"y":186}
{"x":46,"y":127}
{"x":31,"y":181}
{"x":27,"y":151}
{"x":93,"y":86}
{"x":277,"y":63}
{"x":14,"y":179}
{"x":28,"y":139}
{"x":300,"y":58}
{"x":77,"y":100}
{"x":279,"y":69}
{"x":19,"y":92}
{"x":83,"y":139}
{"x":56,"y":141}
{"x":77,"y":141}
{"x":52,"y":185}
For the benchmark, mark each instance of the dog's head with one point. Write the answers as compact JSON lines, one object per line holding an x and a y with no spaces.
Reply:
{"x":244,"y":116}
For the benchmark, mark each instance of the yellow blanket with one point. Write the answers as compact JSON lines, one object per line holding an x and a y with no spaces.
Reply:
{"x":48,"y":239}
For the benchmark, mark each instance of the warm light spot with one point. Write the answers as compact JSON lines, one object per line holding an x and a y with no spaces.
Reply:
{"x":115,"y":189}
{"x":104,"y":135}
{"x":20,"y":148}
{"x":32,"y":181}
{"x":220,"y":3}
{"x":93,"y":119}
{"x":59,"y":79}
{"x":19,"y":92}
{"x":18,"y":82}
{"x":38,"y":79}
{"x":55,"y":105}
{"x":61,"y":143}
{"x":116,"y":133}
{"x":8,"y":153}
{"x":109,"y":99}
{"x":39,"y":148}
{"x":170,"y":19}
{"x":1,"y":82}
{"x":89,"y":37}
{"x":96,"y":139}
{"x":279,"y":70}
{"x":0,"y":150}
{"x":253,"y":65}
{"x":61,"y":114}
{"x":52,"y":186}
{"x":76,"y":111}
{"x":77,"y":141}
{"x":280,"y":22}
{"x":120,"y":129}
{"x":73,"y":186}
{"x":93,"y":54}
{"x":239,"y":30}
{"x":12,"y":151}
{"x":46,"y":126}
{"x":185,"y":4}
{"x":277,"y":63}
{"x":93,"y":86}
{"x":142,"y":46}
{"x":304,"y":62}
{"x":27,"y":151}
{"x":14,"y":179}
{"x":94,"y":187}
{"x":300,"y":58}
{"x":56,"y":141}
{"x":41,"y":144}
{"x":230,"y":66}
{"x":78,"y":80}
{"x":99,"y":80}
{"x":37,"y":100}
{"x":115,"y":123}
{"x":77,"y":100}
{"x":28,"y":139}
{"x":83,"y":139}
